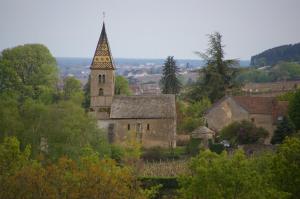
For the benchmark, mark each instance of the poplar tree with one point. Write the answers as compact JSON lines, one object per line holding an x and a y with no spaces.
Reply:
{"x":170,"y":83}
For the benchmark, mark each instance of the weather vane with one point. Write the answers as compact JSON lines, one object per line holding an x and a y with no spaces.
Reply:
{"x":103,"y":13}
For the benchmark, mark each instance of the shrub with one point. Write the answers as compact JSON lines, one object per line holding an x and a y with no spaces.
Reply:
{"x":214,"y":176}
{"x":193,"y":146}
{"x":167,"y":186}
{"x":284,"y":128}
{"x":216,"y":147}
{"x":243,"y":132}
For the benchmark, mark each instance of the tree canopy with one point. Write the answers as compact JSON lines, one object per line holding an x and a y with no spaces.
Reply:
{"x":218,"y":74}
{"x":170,"y":83}
{"x":122,"y":86}
{"x":284,"y":128}
{"x":243,"y":132}
{"x":29,"y":70}
{"x":214,"y":176}
{"x":294,"y":107}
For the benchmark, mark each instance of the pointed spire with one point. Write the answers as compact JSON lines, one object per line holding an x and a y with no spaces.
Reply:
{"x":102,"y":57}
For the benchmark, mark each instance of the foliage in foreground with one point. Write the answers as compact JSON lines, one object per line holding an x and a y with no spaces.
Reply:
{"x":221,"y":176}
{"x":37,"y":111}
{"x":90,"y":177}
{"x":274,"y":176}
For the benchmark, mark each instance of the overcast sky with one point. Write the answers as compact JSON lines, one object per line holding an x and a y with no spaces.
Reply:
{"x":150,"y":28}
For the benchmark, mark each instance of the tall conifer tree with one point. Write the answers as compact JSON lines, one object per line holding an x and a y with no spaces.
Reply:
{"x":170,"y":83}
{"x":218,"y":75}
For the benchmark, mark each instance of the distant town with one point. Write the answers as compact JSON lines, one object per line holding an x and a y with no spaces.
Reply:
{"x":143,"y":74}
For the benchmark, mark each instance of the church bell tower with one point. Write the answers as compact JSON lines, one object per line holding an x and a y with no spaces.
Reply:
{"x":102,"y":78}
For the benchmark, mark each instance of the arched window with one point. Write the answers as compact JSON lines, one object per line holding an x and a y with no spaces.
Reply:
{"x":148,"y":127}
{"x":99,"y":78}
{"x":103,"y":78}
{"x":128,"y":127}
{"x":100,"y":91}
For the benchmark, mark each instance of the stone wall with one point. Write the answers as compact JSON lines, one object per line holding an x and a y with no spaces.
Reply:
{"x":224,"y":113}
{"x":149,"y":132}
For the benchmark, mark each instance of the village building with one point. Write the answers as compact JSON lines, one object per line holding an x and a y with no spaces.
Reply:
{"x":150,"y":119}
{"x":264,"y":112}
{"x":270,"y":89}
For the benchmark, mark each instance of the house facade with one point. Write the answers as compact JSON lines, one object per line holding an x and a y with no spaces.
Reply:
{"x":262,"y":111}
{"x":150,"y":119}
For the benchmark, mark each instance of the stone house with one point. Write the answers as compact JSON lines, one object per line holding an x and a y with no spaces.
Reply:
{"x":150,"y":118}
{"x":262,"y":111}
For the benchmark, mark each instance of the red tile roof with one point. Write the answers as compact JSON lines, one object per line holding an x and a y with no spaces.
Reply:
{"x":256,"y":105}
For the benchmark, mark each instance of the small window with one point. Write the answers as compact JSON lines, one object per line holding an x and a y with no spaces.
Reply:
{"x":148,"y":127}
{"x":128,"y":127}
{"x":100,"y":91}
{"x":103,"y":78}
{"x":253,"y":119}
{"x":99,"y":78}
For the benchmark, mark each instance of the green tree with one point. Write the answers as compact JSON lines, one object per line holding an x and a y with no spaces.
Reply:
{"x":89,"y":177}
{"x":10,"y":119}
{"x":72,"y":89}
{"x":294,"y":109}
{"x":218,"y":74}
{"x":284,"y":128}
{"x":9,"y":80}
{"x":169,"y":82}
{"x":68,"y":128}
{"x":243,"y":132}
{"x":33,"y":72}
{"x":87,"y":94}
{"x":122,"y":86}
{"x":11,"y":156}
{"x":286,"y":167}
{"x":214,"y":176}
{"x":190,"y":115}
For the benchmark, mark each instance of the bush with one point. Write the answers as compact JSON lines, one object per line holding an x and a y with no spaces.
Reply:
{"x":216,"y":147}
{"x":243,"y":132}
{"x":214,"y":176}
{"x":284,"y":128}
{"x":168,"y":185}
{"x":193,"y":146}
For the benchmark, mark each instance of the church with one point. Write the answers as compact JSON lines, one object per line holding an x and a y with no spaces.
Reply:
{"x":151,"y":119}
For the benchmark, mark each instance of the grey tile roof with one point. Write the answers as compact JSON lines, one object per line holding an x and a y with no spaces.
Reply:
{"x":143,"y":107}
